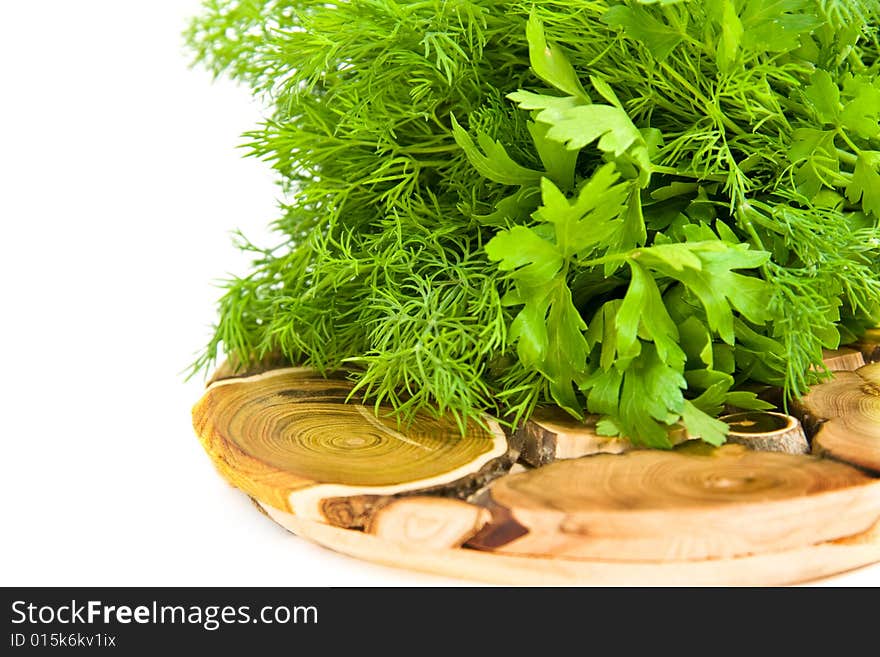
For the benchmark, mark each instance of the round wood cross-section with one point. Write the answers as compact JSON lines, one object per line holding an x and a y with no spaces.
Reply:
{"x":870,"y":345}
{"x":769,"y":432}
{"x":845,"y":414}
{"x":288,"y":438}
{"x":695,"y":503}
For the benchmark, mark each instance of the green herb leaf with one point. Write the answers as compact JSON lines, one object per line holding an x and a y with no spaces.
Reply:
{"x":777,"y":25}
{"x":865,"y":183}
{"x":643,"y":314}
{"x":724,"y":13}
{"x":824,"y":97}
{"x":705,"y":426}
{"x":535,"y":260}
{"x":815,"y":158}
{"x":715,"y":283}
{"x":492,"y":160}
{"x":579,"y":126}
{"x":639,"y":24}
{"x":550,"y":63}
{"x":862,"y":113}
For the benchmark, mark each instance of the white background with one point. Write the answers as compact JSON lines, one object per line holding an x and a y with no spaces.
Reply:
{"x":119,"y":186}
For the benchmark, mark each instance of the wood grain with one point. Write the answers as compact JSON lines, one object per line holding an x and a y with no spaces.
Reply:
{"x":767,"y":432}
{"x":288,"y":438}
{"x":869,"y":345}
{"x":422,"y":521}
{"x":845,"y":415}
{"x":552,"y":434}
{"x":845,"y":359}
{"x":696,"y":503}
{"x":772,"y":569}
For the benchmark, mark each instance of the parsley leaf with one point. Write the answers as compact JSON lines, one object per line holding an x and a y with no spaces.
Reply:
{"x":491,"y":160}
{"x":644,"y":314}
{"x":550,"y":64}
{"x":824,"y":97}
{"x":660,"y":38}
{"x":865,"y":183}
{"x":549,"y":330}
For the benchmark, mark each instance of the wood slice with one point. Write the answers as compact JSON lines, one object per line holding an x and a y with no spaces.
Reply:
{"x":700,"y":503}
{"x":843,"y":360}
{"x":288,"y":438}
{"x":233,"y":368}
{"x":770,"y":569}
{"x":845,"y":415}
{"x":869,"y":345}
{"x":433,"y":522}
{"x":552,"y":434}
{"x":767,"y":432}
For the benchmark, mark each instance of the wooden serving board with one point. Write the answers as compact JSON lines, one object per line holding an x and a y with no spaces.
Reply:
{"x":772,"y":569}
{"x":553,"y":503}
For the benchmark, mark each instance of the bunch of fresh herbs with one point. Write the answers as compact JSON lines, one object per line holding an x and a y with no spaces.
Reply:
{"x":630,"y":209}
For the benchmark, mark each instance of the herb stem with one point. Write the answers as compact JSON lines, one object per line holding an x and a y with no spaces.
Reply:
{"x":725,"y":120}
{"x":684,"y":173}
{"x":610,"y":257}
{"x":846,"y":156}
{"x":850,"y":143}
